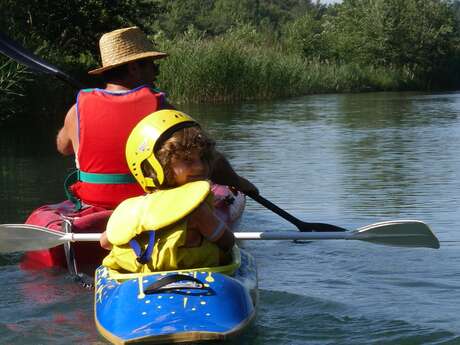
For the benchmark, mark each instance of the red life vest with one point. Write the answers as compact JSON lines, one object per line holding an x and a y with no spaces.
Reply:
{"x":105,"y":120}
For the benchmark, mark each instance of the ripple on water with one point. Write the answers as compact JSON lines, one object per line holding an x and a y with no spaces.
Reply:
{"x":349,"y":160}
{"x":44,"y":307}
{"x":286,"y":318}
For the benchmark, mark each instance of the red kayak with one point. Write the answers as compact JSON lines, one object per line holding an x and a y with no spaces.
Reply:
{"x":87,"y":256}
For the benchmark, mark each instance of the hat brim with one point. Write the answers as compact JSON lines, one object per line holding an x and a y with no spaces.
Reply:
{"x":131,"y":58}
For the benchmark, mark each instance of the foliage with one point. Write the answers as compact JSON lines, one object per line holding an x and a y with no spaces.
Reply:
{"x":72,"y":25}
{"x":304,"y":36}
{"x":241,"y":65}
{"x":215,"y":17}
{"x":415,"y":34}
{"x":232,"y":50}
{"x":12,"y":80}
{"x":231,"y":67}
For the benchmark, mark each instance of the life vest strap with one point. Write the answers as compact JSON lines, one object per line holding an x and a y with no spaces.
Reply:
{"x":96,"y":178}
{"x":70,"y":180}
{"x":104,"y":178}
{"x":144,"y":257}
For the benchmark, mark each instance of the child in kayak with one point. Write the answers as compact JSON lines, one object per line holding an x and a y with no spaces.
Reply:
{"x":173,"y":226}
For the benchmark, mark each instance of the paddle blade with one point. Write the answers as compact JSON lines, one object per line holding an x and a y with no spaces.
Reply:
{"x":319,"y":227}
{"x":398,"y":233}
{"x":23,"y":237}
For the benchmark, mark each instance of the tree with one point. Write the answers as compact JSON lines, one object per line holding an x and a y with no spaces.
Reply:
{"x":72,"y":26}
{"x":417,"y":34}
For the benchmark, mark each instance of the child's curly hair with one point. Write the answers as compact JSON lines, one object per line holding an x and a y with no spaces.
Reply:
{"x":180,"y":145}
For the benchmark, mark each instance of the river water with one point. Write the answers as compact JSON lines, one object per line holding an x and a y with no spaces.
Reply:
{"x":349,"y":160}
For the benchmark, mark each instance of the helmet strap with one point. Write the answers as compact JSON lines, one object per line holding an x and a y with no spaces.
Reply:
{"x":160,"y":177}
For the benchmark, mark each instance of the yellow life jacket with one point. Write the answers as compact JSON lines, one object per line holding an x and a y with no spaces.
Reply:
{"x":164,"y":212}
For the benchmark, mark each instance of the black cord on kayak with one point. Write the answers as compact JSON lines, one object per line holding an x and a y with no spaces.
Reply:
{"x":84,"y":280}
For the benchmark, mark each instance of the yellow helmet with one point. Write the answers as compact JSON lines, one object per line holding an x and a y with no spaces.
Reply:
{"x":144,"y":137}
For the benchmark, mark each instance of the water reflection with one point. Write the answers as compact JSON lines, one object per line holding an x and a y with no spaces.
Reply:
{"x":32,"y":173}
{"x":348,"y":160}
{"x":348,"y":157}
{"x":327,"y":157}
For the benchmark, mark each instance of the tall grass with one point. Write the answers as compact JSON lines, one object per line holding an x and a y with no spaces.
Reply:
{"x":225,"y":70}
{"x":244,"y":65}
{"x":12,"y":79}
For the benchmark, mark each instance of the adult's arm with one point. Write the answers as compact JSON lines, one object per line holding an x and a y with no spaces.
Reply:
{"x":223,"y":173}
{"x":67,"y":134}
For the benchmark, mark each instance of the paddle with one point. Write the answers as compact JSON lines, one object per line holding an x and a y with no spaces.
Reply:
{"x":21,"y":55}
{"x":399,"y":233}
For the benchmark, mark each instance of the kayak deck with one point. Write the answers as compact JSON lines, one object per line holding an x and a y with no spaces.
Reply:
{"x":211,"y":304}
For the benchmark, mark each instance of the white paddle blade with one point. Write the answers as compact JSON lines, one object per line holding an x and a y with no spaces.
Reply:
{"x":398,"y":233}
{"x":24,"y":237}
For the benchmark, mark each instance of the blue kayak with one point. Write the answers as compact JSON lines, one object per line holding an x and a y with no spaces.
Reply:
{"x":193,"y":305}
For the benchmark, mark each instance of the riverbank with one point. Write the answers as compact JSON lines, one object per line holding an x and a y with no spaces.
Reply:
{"x":222,"y":52}
{"x":225,"y":69}
{"x":238,"y":67}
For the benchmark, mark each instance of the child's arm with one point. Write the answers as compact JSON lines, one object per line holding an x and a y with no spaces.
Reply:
{"x":104,"y":241}
{"x":211,"y":227}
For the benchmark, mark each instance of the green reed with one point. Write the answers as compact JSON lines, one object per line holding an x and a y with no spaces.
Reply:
{"x":225,"y":69}
{"x":241,"y":65}
{"x":12,"y":81}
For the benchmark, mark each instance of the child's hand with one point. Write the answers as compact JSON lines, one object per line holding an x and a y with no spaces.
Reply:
{"x":104,"y":242}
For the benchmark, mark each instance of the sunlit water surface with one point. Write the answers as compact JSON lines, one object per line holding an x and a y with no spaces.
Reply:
{"x":349,"y":160}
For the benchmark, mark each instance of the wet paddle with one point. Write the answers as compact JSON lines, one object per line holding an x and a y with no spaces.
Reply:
{"x":398,"y":233}
{"x":14,"y":51}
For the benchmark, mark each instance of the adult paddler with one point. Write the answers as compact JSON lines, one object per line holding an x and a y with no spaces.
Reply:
{"x":97,"y":126}
{"x":96,"y":129}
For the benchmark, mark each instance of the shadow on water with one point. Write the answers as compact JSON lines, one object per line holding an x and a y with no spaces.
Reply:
{"x":45,"y":307}
{"x":31,"y":171}
{"x":10,"y":259}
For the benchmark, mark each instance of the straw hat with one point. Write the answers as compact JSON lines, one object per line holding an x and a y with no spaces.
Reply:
{"x":124,"y":45}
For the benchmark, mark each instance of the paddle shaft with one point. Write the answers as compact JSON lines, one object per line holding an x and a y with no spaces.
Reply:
{"x":301,"y":225}
{"x":14,"y":51}
{"x":278,"y":235}
{"x":279,"y":211}
{"x":288,"y":235}
{"x":81,"y":237}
